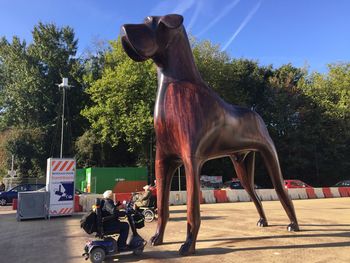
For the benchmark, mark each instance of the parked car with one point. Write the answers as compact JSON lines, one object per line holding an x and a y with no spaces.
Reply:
{"x":295,"y":184}
{"x":235,"y":183}
{"x":345,"y":183}
{"x":8,"y":196}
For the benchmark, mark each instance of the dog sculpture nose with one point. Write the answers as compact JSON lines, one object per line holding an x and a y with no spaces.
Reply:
{"x":138,"y":41}
{"x":122,"y":31}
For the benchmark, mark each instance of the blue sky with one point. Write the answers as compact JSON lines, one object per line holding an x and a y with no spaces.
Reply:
{"x":302,"y":32}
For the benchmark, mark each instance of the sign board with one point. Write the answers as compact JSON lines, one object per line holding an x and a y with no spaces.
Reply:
{"x":60,"y":176}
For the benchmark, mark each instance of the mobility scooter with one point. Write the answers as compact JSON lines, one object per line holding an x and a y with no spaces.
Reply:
{"x":106,"y":245}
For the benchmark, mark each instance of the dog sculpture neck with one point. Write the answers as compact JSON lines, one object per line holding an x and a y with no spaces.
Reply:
{"x":177,"y":64}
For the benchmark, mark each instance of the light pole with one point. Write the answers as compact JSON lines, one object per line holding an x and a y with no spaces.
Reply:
{"x":63,"y":85}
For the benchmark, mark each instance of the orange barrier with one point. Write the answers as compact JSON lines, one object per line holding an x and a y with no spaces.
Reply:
{"x":344,"y":191}
{"x":327,"y":192}
{"x":220,"y":196}
{"x":14,"y":204}
{"x":77,"y":206}
{"x":311,"y":193}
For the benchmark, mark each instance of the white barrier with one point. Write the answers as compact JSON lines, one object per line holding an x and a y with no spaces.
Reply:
{"x":243,"y":196}
{"x":319,"y":192}
{"x":301,"y":192}
{"x":293,"y":193}
{"x":237,"y":195}
{"x":208,"y":196}
{"x":86,"y":201}
{"x":297,"y":193}
{"x":335,"y":191}
{"x":266,"y":194}
{"x":232,"y":195}
{"x":178,"y":198}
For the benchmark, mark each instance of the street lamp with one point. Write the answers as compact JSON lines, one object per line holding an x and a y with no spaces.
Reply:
{"x":64,"y":85}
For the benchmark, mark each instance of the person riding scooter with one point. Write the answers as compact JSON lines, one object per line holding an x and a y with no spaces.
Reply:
{"x":110,"y":209}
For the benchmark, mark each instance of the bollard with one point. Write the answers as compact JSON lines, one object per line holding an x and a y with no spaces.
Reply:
{"x":14,"y":204}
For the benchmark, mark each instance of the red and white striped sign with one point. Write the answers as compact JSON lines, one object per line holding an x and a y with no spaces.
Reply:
{"x":62,"y":211}
{"x":63,"y":166}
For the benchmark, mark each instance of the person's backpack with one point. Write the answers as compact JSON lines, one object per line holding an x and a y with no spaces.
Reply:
{"x":88,"y":222}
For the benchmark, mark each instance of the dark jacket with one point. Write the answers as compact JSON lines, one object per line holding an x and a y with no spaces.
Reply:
{"x":108,"y":209}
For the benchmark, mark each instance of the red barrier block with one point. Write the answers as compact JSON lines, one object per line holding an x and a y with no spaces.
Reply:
{"x":311,"y":193}
{"x":123,"y":197}
{"x":77,"y":207}
{"x":14,"y":204}
{"x":327,"y":192}
{"x":220,"y":196}
{"x":348,"y":190}
{"x":344,"y":191}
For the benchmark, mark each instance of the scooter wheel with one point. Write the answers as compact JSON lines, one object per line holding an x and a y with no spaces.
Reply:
{"x":138,"y":252}
{"x":97,"y":255}
{"x":149,"y":215}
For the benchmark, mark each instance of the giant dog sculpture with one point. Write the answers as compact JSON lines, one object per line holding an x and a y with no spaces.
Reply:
{"x":193,"y":124}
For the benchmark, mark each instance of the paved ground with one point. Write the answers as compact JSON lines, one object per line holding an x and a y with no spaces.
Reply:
{"x":228,"y":234}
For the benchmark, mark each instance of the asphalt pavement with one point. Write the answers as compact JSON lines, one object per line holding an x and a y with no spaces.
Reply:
{"x":228,"y":233}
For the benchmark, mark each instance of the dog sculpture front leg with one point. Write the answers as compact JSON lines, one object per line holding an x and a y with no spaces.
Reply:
{"x":192,"y":169}
{"x":164,"y":172}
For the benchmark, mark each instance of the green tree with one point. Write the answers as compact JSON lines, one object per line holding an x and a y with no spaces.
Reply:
{"x":330,"y":97}
{"x":123,"y":101}
{"x":29,"y":97}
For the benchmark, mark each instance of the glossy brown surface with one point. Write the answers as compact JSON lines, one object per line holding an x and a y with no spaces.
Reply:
{"x":193,"y":124}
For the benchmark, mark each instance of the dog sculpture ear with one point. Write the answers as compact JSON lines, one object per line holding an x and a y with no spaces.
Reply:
{"x":172,"y":21}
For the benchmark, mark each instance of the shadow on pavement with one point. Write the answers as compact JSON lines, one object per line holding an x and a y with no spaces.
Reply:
{"x":323,"y":245}
{"x":202,"y":218}
{"x":162,"y":256}
{"x":230,"y":240}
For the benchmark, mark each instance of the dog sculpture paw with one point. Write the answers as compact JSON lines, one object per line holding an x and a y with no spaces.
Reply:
{"x":186,"y":248}
{"x":156,"y":240}
{"x":293,"y":227}
{"x":262,"y":222}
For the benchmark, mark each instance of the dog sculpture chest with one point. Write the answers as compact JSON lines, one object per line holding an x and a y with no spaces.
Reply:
{"x":193,"y":124}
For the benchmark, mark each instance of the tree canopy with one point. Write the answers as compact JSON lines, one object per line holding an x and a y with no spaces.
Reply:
{"x":30,"y":100}
{"x":110,"y":116}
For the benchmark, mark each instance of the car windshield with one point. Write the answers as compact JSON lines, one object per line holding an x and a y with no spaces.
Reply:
{"x":343,"y":183}
{"x":19,"y":188}
{"x":297,"y":183}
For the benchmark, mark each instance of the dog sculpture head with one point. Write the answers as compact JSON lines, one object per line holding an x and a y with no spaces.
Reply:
{"x":151,"y":38}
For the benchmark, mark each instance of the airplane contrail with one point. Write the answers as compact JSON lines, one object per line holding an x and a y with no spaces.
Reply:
{"x":242,"y":25}
{"x":221,"y":15}
{"x":182,"y":7}
{"x":194,"y":16}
